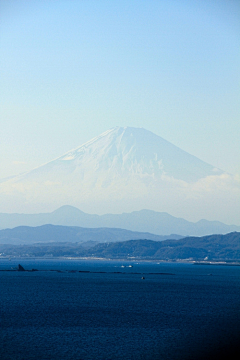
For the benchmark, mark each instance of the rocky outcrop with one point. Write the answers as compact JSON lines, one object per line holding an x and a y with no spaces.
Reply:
{"x":20,"y":268}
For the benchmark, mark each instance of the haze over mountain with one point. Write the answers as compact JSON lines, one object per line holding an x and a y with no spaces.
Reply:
{"x":126,"y":169}
{"x":141,"y":221}
{"x":56,"y":233}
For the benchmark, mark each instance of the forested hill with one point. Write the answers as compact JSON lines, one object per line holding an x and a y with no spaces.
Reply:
{"x":213,"y":247}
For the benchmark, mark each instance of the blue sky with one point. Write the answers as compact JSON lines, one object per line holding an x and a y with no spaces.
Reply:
{"x":73,"y":69}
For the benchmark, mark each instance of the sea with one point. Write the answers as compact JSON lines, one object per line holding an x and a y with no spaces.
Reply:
{"x":118,"y":310}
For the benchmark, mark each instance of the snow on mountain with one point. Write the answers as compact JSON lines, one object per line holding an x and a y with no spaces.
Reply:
{"x":124,"y":152}
{"x":123,"y":169}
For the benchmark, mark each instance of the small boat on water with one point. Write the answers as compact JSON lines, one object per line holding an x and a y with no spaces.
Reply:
{"x":142,"y":278}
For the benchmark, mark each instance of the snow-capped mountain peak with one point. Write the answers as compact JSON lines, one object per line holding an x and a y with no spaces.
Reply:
{"x":123,"y":169}
{"x":129,"y":151}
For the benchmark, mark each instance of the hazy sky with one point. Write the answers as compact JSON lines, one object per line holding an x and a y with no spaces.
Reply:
{"x":72,"y":69}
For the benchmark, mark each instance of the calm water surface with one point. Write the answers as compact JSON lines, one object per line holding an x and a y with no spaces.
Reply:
{"x":190,"y":312}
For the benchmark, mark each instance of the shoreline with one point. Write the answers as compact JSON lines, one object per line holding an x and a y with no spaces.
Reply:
{"x":158,"y":261}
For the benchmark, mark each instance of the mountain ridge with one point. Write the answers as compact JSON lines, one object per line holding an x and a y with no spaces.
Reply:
{"x":58,"y":233}
{"x":142,"y":221}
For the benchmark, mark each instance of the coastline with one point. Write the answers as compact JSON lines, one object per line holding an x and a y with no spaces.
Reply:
{"x":133,"y":260}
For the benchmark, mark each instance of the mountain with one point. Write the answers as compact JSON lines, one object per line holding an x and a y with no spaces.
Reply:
{"x":142,"y":221}
{"x":122,"y":152}
{"x":122,"y":170}
{"x":55,"y":233}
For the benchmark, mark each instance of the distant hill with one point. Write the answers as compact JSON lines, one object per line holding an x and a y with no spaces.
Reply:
{"x":56,"y":233}
{"x":160,"y":223}
{"x":213,"y":247}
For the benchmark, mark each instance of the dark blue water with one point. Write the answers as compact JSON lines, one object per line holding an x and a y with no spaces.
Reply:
{"x":192,"y":314}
